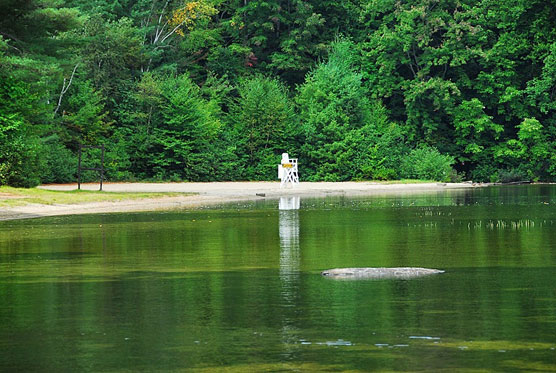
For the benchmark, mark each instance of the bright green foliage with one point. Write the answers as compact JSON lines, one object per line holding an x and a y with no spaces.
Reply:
{"x":31,"y":60}
{"x":181,"y":142}
{"x":539,"y":153}
{"x":427,"y":163}
{"x":18,"y":155}
{"x":455,"y":72}
{"x":542,"y":89}
{"x":18,"y":146}
{"x":384,"y":156}
{"x":263,"y":126}
{"x":532,"y":153}
{"x":84,"y":116}
{"x":334,"y":109}
{"x":475,"y":130}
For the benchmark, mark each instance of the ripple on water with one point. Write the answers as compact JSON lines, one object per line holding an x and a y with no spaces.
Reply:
{"x":339,"y":342}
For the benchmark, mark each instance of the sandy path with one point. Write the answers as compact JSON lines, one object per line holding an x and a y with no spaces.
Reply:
{"x":271,"y":189}
{"x":210,"y":193}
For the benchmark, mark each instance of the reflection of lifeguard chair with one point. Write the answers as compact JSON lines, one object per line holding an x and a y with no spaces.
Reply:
{"x":287,"y":171}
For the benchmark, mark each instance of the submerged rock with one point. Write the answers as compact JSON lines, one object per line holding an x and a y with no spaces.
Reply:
{"x":379,"y":273}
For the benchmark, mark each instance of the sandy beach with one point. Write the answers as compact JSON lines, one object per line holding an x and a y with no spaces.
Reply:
{"x":211,"y":193}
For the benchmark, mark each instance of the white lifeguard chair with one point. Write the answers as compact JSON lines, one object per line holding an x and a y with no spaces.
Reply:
{"x":287,"y":171}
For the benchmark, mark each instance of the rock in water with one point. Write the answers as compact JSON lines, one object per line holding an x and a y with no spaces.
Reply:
{"x":379,"y":273}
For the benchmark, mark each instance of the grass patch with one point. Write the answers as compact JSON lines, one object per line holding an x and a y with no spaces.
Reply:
{"x":20,"y":196}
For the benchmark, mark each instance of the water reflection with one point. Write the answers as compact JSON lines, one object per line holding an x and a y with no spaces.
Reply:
{"x":289,"y":265}
{"x":289,"y":246}
{"x":289,"y":203}
{"x":211,"y":289}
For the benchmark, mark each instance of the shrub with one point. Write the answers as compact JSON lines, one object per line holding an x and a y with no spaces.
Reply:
{"x":19,"y":161}
{"x":427,"y":163}
{"x":59,"y":165}
{"x":455,"y":177}
{"x":514,"y":174}
{"x":336,"y":117}
{"x":182,"y":145}
{"x":263,"y":126}
{"x":382,"y":159}
{"x":117,"y":162}
{"x":485,"y":172}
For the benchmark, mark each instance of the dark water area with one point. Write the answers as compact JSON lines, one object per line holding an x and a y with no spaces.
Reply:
{"x":238,"y":288}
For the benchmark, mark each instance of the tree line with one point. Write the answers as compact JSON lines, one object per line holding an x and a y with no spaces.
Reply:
{"x":209,"y":90}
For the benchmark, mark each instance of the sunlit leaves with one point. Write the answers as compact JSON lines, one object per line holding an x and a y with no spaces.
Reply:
{"x":186,"y":16}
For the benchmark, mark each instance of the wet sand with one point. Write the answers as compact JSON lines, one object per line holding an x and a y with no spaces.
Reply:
{"x":212,"y":193}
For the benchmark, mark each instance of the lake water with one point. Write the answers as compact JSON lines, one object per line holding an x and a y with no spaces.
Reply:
{"x":238,"y":287}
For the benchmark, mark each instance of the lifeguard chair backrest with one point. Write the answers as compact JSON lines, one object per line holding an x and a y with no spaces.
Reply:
{"x":285,"y":158}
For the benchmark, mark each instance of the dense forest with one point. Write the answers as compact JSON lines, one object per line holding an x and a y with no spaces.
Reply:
{"x":208,"y":90}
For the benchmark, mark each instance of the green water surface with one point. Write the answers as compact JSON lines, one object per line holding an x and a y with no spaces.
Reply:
{"x":238,"y":288}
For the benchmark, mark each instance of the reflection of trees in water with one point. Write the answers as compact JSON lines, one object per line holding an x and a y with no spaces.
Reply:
{"x":179,"y":280}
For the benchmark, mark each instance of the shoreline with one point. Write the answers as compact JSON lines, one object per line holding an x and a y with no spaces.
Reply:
{"x":212,"y":193}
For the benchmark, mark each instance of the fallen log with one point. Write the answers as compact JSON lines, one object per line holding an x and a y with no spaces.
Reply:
{"x":379,"y":273}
